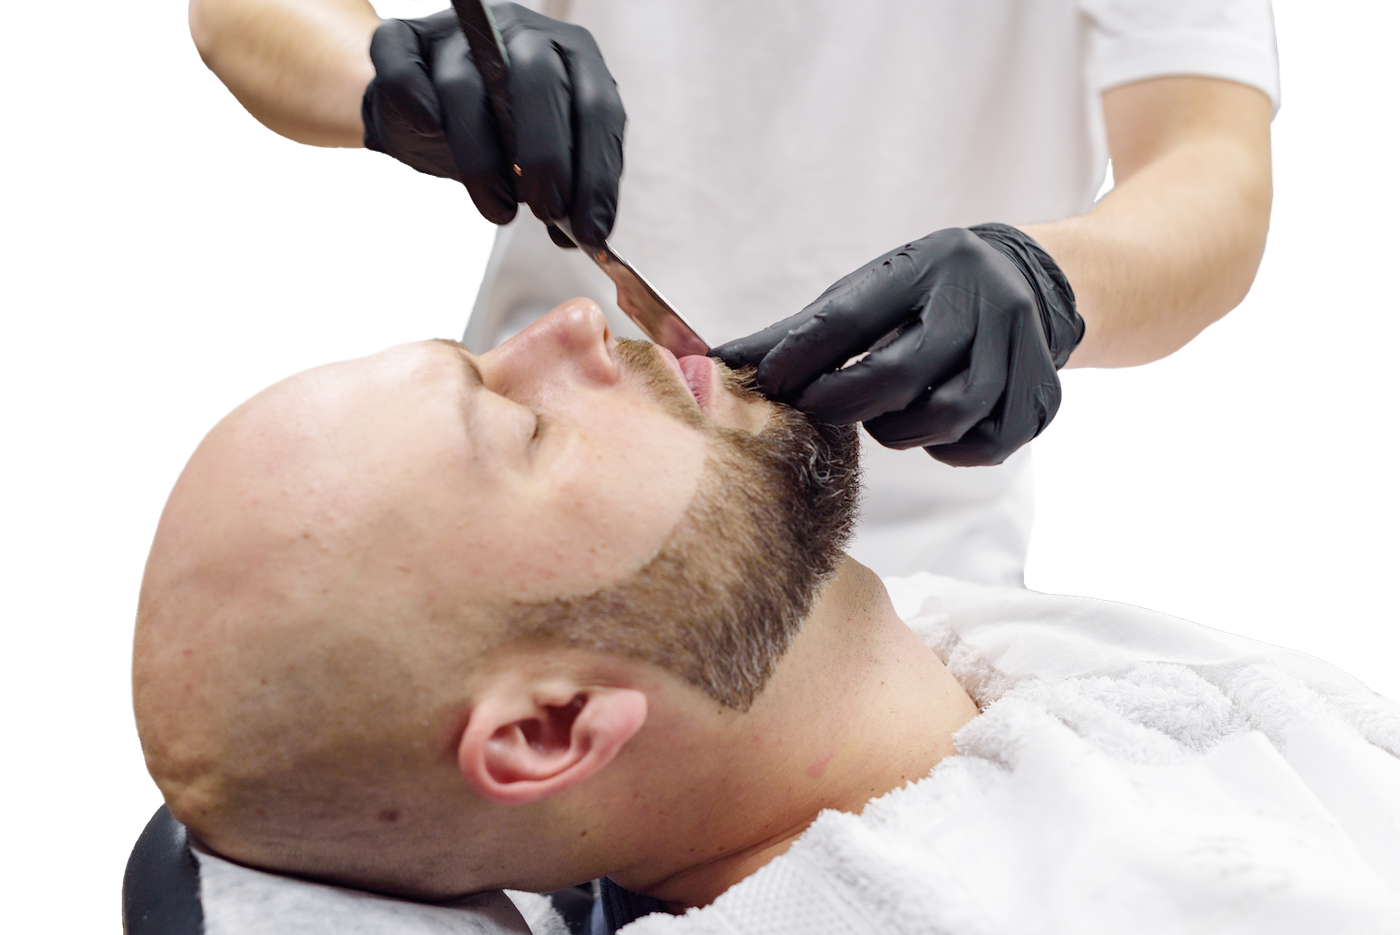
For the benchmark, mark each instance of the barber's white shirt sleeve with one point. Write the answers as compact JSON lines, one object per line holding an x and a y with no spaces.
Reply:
{"x":1132,"y":40}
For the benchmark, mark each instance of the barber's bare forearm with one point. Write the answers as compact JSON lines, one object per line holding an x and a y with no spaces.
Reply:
{"x":1176,"y":244}
{"x":299,"y":66}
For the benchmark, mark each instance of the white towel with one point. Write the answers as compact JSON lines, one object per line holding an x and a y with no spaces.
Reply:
{"x":1131,"y":772}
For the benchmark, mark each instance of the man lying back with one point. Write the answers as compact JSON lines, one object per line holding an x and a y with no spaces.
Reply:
{"x":430,"y":623}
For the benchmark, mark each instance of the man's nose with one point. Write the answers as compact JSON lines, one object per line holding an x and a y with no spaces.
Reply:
{"x":571,"y":343}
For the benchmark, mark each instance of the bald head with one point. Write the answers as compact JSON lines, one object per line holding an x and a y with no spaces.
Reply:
{"x":337,"y":558}
{"x":304,"y":636}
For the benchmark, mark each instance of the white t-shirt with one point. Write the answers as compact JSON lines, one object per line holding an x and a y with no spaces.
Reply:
{"x":773,"y":148}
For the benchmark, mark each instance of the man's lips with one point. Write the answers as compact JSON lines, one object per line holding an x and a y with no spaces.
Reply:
{"x":700,"y":376}
{"x":696,"y":372}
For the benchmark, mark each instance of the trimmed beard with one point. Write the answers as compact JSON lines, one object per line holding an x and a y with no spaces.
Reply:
{"x":724,"y":597}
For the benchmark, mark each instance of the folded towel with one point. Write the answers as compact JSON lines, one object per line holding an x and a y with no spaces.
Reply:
{"x":1130,"y":772}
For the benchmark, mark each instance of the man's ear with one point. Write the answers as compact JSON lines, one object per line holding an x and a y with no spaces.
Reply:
{"x":523,"y":743}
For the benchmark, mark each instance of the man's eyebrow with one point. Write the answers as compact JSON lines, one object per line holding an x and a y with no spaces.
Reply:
{"x":469,"y":367}
{"x":472,"y":371}
{"x":472,"y":374}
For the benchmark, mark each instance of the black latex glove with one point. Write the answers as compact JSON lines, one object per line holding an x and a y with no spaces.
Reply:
{"x":965,"y":330}
{"x":427,"y":107}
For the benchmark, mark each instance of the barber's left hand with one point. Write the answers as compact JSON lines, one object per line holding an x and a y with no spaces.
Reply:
{"x":965,"y":330}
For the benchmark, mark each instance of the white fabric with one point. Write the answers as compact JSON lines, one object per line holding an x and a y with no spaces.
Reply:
{"x":539,"y":912}
{"x":1131,"y":772}
{"x":238,"y":900}
{"x":773,"y":148}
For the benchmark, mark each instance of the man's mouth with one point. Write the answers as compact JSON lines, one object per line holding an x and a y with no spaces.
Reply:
{"x":696,"y":372}
{"x":700,"y":375}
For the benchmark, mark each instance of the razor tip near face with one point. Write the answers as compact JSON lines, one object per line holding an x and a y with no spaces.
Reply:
{"x":642,"y":303}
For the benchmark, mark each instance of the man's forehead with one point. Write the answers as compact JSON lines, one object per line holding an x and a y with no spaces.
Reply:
{"x":388,"y":375}
{"x":322,"y":430}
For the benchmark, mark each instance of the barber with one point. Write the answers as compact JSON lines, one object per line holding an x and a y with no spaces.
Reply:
{"x":790,"y":161}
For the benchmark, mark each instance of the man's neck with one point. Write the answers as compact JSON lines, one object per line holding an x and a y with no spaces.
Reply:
{"x":857,"y":707}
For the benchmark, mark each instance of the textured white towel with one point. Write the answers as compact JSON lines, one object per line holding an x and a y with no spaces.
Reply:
{"x":1131,"y":772}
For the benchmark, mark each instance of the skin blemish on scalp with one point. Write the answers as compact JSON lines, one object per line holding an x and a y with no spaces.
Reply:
{"x":389,"y":815}
{"x":819,"y":765}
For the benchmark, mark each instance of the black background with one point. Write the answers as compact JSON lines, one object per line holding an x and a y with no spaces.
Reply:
{"x":1218,"y":484}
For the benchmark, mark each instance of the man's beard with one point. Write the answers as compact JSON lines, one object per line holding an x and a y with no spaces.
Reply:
{"x":723,"y":598}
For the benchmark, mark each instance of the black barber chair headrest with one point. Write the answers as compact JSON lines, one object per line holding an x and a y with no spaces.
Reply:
{"x":160,"y":891}
{"x":161,"y":888}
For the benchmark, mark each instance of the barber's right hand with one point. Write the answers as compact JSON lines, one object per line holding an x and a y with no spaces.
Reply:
{"x":427,"y":107}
